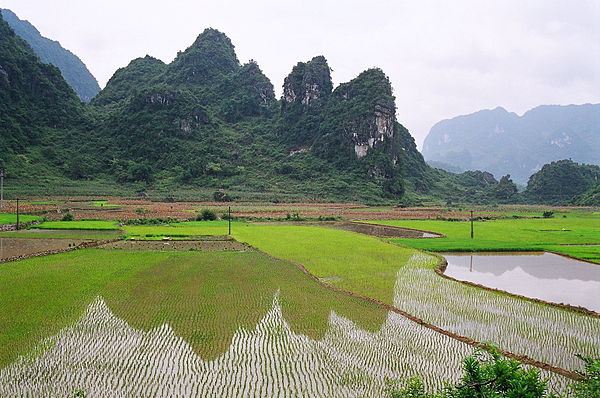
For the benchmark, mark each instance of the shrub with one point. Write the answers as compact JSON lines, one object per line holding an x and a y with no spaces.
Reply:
{"x":67,"y":217}
{"x":548,"y":214}
{"x":207,"y":215}
{"x":220,"y":196}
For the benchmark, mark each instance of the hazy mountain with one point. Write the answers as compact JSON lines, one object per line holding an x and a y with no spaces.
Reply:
{"x":502,"y":142}
{"x":51,"y":52}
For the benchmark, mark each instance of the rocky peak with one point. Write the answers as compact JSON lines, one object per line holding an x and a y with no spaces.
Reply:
{"x":308,"y":82}
{"x":374,"y":110}
{"x":250,"y":74}
{"x":208,"y":59}
{"x":213,"y":45}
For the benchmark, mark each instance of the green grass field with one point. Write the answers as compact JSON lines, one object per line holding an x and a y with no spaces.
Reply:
{"x":86,"y":224}
{"x":538,"y":234}
{"x":6,"y":218}
{"x":183,"y":229}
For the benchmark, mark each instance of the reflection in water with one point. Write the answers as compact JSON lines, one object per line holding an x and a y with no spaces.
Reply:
{"x":545,"y":276}
{"x":102,"y":353}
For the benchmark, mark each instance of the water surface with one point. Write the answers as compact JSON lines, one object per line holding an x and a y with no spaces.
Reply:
{"x":544,"y":276}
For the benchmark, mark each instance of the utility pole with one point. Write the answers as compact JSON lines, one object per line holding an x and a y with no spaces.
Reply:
{"x":17,"y":214}
{"x":471,"y":224}
{"x":1,"y":188}
{"x":229,"y":219}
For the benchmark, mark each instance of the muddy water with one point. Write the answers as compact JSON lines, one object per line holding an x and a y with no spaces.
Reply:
{"x":12,"y":247}
{"x":544,"y":276}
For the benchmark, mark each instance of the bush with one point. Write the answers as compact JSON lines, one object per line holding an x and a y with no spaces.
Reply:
{"x":207,"y":215}
{"x":220,"y":196}
{"x":67,"y":217}
{"x":589,"y":387}
{"x":489,"y":374}
{"x":548,"y":214}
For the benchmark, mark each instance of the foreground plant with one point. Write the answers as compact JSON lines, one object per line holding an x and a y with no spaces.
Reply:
{"x":488,"y":374}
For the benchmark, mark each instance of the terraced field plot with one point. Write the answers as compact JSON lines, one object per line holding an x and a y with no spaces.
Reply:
{"x":13,"y":247}
{"x":571,"y":235}
{"x":227,"y":324}
{"x":368,"y":266}
{"x":161,"y":323}
{"x":373,"y":268}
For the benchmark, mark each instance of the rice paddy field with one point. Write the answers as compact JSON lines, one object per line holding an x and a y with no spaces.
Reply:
{"x":184,"y":310}
{"x":576,"y":234}
{"x":161,"y":323}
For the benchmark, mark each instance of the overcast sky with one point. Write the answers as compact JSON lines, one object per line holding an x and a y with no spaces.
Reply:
{"x":444,"y":58}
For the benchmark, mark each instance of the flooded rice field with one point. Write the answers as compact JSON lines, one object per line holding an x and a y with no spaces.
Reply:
{"x":243,"y":324}
{"x":548,"y":334}
{"x":102,"y":353}
{"x":544,"y":276}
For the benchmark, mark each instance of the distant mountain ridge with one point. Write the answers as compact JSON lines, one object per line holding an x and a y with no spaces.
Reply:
{"x":74,"y":71}
{"x":502,"y":142}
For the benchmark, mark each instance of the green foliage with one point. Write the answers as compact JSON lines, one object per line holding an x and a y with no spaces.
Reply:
{"x":50,"y":52}
{"x":548,"y":214}
{"x":207,"y":215}
{"x":558,"y":182}
{"x":67,"y":217}
{"x":413,"y":388}
{"x":220,"y":196}
{"x":591,"y":197}
{"x":487,"y":374}
{"x":589,"y":386}
{"x":127,"y":81}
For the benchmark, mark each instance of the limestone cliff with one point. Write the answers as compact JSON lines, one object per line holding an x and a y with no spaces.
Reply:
{"x":308,"y":82}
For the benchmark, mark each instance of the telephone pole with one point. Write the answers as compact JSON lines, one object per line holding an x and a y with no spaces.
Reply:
{"x":471,"y":224}
{"x":17,"y":214}
{"x":1,"y":188}
{"x":229,"y":218}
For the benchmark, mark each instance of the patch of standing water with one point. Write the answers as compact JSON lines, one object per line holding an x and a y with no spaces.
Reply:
{"x":544,"y":276}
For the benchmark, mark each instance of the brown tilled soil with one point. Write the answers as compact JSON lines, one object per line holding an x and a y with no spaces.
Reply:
{"x":13,"y":247}
{"x":180,"y":245}
{"x":128,"y":209}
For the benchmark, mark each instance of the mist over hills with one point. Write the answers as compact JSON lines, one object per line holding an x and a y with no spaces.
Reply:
{"x":51,"y":52}
{"x":502,"y":142}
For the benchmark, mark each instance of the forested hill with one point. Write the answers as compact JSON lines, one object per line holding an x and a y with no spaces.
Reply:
{"x":51,"y":52}
{"x":37,"y":106}
{"x":206,"y":122}
{"x":504,"y":143}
